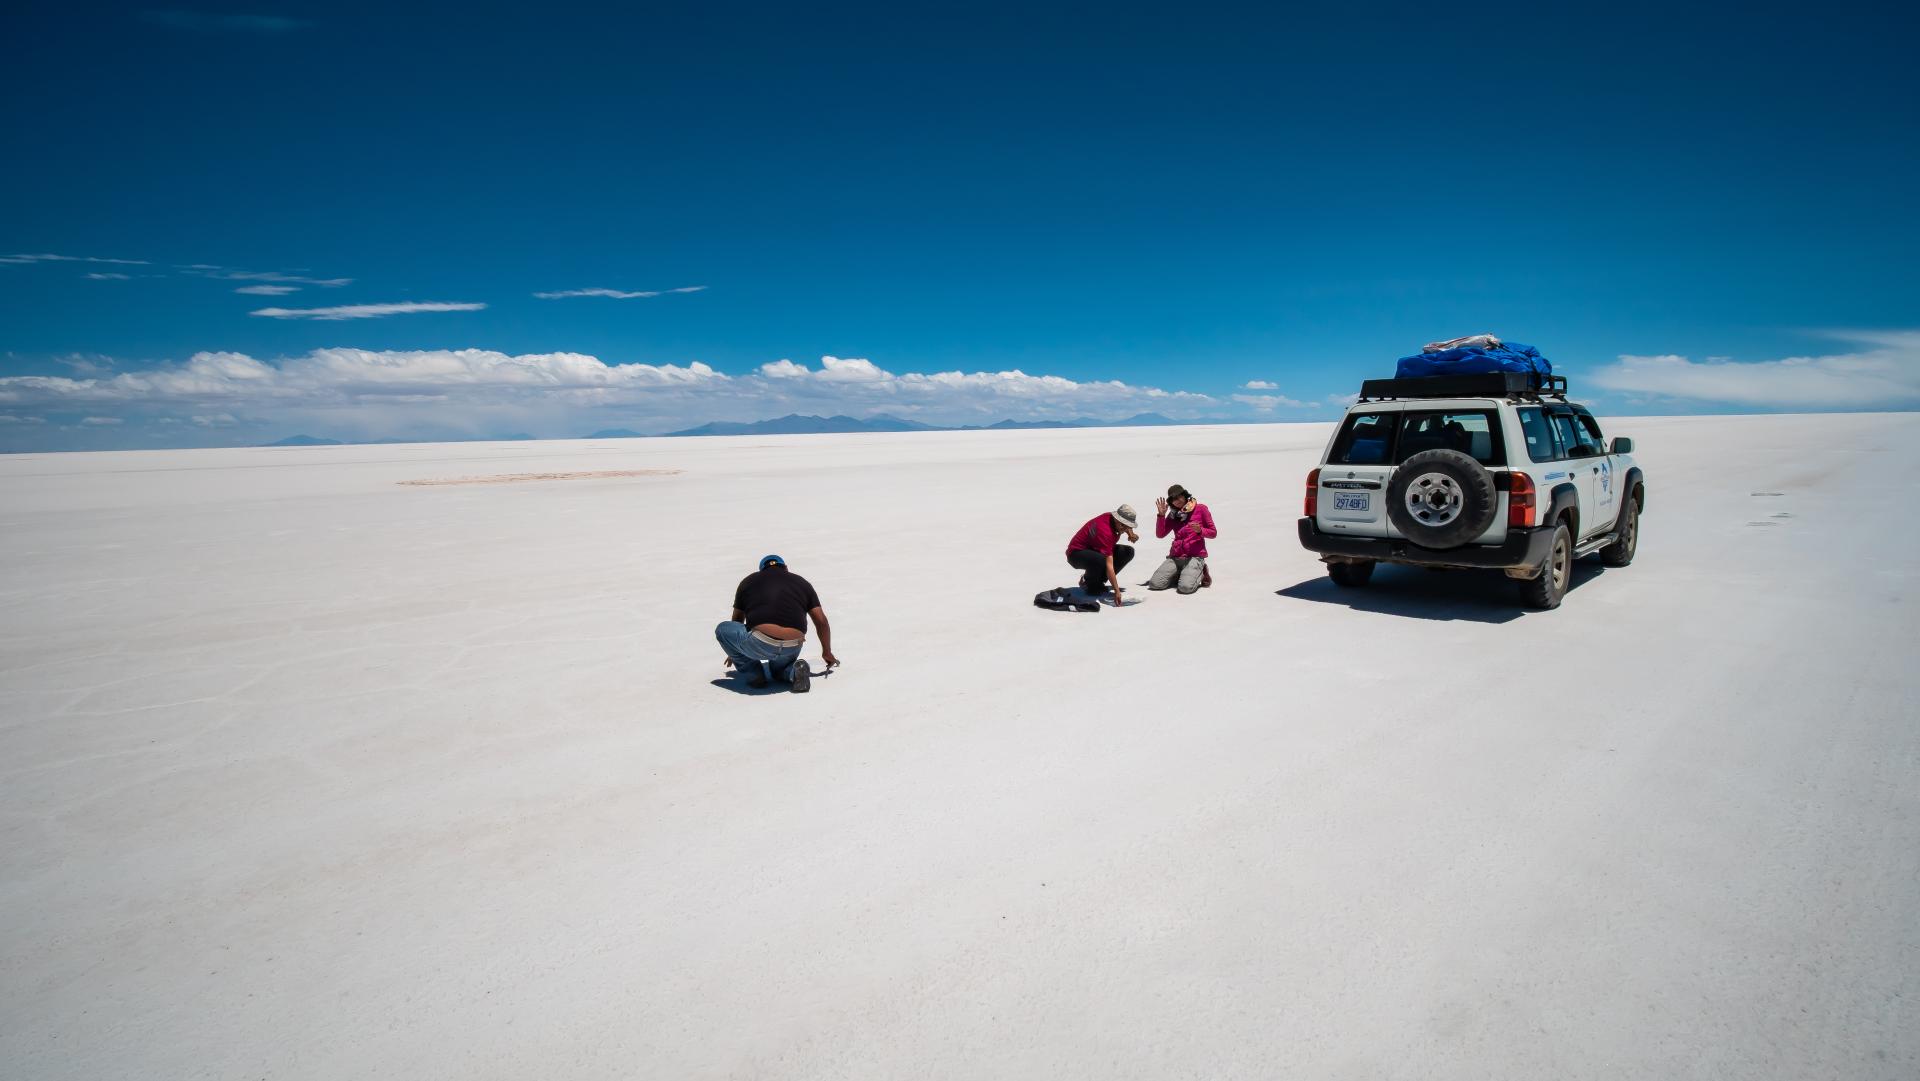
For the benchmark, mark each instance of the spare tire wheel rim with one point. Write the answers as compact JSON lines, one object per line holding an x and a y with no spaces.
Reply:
{"x":1434,"y":499}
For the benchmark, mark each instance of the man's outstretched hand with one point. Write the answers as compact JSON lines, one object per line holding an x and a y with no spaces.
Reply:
{"x":832,"y":661}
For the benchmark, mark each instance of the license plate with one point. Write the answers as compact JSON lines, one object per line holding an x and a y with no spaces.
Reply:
{"x":1360,"y":501}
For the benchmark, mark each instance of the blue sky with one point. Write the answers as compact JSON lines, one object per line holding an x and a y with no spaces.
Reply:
{"x":1132,"y":207}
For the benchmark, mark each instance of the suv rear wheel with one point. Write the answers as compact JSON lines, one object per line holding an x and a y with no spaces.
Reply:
{"x":1547,"y":590}
{"x":1350,"y":575}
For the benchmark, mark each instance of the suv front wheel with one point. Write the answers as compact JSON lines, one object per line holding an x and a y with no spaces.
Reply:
{"x":1620,"y":552}
{"x":1548,"y":589}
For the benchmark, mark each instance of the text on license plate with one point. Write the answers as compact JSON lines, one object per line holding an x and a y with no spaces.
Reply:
{"x":1352,"y":501}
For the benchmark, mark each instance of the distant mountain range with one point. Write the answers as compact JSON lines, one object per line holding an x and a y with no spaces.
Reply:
{"x":317,"y":441}
{"x":799,"y":424}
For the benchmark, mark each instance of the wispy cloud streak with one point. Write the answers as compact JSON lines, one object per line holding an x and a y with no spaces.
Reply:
{"x":366,"y":311}
{"x":272,"y":276}
{"x":47,"y":258}
{"x":618,"y":294}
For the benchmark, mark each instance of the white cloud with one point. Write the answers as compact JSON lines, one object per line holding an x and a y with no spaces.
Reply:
{"x":835,"y":370}
{"x":108,"y":277}
{"x":8,"y":418}
{"x":1259,"y":384}
{"x":101,"y":422}
{"x":1267,"y":403}
{"x":368,"y":393}
{"x":216,"y":420}
{"x":1343,"y":400}
{"x":860,"y":385}
{"x":267,"y":290}
{"x":1883,"y":372}
{"x":366,"y":311}
{"x":618,"y":294}
{"x":46,"y":258}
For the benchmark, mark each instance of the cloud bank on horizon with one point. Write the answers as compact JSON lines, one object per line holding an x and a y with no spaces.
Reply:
{"x":401,"y":393}
{"x":1884,"y":373}
{"x":364,"y":393}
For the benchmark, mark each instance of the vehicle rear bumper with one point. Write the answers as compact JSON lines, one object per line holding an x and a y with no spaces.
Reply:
{"x":1522,"y":548}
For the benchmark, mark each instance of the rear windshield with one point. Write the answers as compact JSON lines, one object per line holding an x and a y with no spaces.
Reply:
{"x":1389,"y":438}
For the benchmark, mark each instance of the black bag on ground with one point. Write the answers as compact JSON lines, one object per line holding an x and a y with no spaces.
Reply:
{"x":1061,"y":599}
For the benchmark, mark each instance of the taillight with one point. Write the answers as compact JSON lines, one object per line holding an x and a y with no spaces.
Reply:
{"x":1520,"y":503}
{"x":1313,"y":493}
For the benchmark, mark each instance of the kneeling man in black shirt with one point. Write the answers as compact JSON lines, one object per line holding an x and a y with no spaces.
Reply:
{"x":765,"y":635}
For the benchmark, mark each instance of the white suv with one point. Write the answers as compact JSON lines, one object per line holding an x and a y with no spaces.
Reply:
{"x":1473,"y":471}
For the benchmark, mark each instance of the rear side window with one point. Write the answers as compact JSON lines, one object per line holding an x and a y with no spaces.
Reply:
{"x":1366,"y":439}
{"x":1533,"y":425}
{"x":1473,"y":434}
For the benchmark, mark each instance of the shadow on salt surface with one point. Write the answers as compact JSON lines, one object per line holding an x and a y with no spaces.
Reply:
{"x":1469,"y":595}
{"x":731,"y":682}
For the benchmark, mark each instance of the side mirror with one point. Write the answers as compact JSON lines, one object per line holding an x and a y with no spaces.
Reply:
{"x":1621,"y":445}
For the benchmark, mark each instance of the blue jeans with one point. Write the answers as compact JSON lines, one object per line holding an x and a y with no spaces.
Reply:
{"x":749,"y":653}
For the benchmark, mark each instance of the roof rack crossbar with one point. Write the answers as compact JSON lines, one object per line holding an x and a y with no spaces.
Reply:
{"x":1490,"y":385}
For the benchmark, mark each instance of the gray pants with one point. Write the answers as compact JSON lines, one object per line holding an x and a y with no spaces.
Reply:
{"x":1187,"y":572}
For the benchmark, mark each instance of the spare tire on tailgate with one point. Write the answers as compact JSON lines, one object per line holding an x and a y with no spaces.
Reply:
{"x":1441,"y":499}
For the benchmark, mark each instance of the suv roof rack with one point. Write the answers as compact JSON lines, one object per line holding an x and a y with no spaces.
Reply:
{"x":1489,"y":385}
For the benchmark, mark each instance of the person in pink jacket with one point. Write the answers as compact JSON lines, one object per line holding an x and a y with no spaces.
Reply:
{"x":1191,"y":524}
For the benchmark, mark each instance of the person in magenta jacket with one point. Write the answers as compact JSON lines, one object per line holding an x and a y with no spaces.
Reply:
{"x":1191,"y":524}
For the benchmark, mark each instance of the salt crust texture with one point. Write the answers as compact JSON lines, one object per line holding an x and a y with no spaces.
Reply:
{"x":305,"y":773}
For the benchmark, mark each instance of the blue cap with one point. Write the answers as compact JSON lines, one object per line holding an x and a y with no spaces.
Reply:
{"x":768,"y":561}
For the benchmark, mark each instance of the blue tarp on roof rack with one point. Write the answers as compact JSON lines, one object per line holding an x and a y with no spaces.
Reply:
{"x":1476,"y":360}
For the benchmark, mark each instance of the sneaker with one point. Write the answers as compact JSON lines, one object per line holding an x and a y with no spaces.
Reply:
{"x":758,"y":677}
{"x":802,"y":677}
